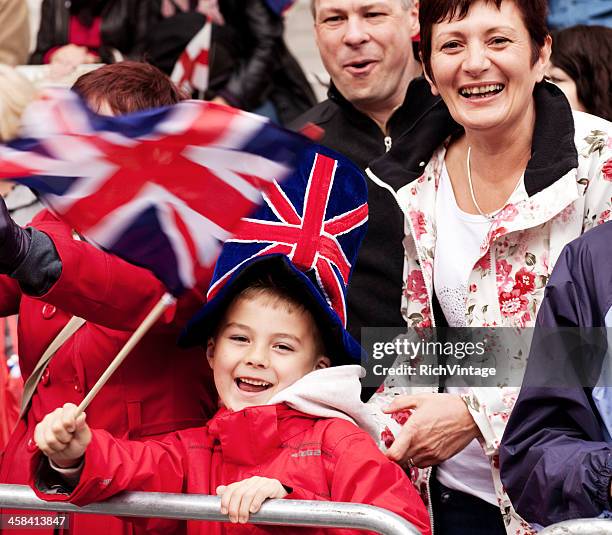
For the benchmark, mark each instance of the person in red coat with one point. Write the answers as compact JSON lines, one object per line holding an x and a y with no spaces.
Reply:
{"x":51,"y":275}
{"x":256,"y":447}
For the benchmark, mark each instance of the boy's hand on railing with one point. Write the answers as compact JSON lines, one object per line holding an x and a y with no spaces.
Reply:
{"x":62,"y":437}
{"x":242,"y":498}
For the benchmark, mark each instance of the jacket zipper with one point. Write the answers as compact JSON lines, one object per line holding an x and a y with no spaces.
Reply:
{"x":388,"y":143}
{"x":433,"y":324}
{"x":429,"y":504}
{"x":382,"y":184}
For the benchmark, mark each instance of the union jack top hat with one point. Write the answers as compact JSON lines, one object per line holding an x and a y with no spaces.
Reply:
{"x":308,"y":230}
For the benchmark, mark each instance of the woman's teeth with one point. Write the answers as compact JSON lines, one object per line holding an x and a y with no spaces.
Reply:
{"x":481,"y":91}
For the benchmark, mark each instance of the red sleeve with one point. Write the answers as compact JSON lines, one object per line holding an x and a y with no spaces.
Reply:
{"x":104,"y":289}
{"x":112,"y":465}
{"x":10,"y":296}
{"x":362,"y":474}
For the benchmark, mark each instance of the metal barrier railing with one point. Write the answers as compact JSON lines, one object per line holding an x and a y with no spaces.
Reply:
{"x":202,"y":507}
{"x":583,"y":526}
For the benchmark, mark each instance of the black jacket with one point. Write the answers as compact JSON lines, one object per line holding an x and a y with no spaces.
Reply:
{"x":250,"y":62}
{"x":124,"y":27}
{"x":374,"y":294}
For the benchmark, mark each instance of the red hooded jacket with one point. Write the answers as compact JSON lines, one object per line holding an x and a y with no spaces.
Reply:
{"x":158,"y":389}
{"x":320,"y":459}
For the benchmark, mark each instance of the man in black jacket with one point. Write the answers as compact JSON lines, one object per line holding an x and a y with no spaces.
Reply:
{"x":374,"y":97}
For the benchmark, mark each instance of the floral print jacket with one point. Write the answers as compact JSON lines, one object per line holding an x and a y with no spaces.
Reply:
{"x":568,"y":190}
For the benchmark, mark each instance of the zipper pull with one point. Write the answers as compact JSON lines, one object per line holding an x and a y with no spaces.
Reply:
{"x":388,"y":143}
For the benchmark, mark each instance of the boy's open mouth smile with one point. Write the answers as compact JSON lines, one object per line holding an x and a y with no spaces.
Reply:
{"x":246,"y":384}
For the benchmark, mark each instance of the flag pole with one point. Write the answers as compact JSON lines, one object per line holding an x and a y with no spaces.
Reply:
{"x":166,"y":300}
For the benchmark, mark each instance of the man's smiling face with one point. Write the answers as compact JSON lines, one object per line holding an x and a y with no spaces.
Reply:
{"x":366,"y":47}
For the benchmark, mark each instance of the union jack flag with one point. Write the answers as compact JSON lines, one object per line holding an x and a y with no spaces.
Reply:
{"x":191,"y":69}
{"x":316,"y":218}
{"x":160,"y":188}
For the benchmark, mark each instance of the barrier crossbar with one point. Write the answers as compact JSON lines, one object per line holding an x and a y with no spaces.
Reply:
{"x":584,"y":526}
{"x":203,"y":507}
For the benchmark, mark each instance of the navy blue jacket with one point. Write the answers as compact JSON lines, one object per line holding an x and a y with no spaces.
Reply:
{"x":555,"y":461}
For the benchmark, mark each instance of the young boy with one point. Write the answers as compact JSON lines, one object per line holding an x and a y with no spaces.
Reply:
{"x":270,"y":335}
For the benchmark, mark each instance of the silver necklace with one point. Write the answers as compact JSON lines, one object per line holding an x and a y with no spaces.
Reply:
{"x":490,"y":216}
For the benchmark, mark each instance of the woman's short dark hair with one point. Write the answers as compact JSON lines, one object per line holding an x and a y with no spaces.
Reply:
{"x":585,"y":54}
{"x":127,"y":86}
{"x":435,"y":11}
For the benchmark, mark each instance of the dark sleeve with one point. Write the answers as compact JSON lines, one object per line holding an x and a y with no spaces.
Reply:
{"x":146,"y":14}
{"x":250,"y":79}
{"x":41,"y":267}
{"x":555,"y":463}
{"x":47,"y":36}
{"x":125,"y":29}
{"x":39,"y":270}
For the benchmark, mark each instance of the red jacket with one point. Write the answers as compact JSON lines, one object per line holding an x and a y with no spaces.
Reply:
{"x":320,"y":459}
{"x":159,"y":388}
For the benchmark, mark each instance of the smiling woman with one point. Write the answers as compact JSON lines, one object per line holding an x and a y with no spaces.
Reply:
{"x":493,"y":186}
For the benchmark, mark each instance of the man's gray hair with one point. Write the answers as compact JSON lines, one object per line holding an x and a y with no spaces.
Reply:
{"x":406,"y":4}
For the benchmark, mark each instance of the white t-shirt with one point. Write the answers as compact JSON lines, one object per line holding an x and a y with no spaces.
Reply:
{"x":458,"y":240}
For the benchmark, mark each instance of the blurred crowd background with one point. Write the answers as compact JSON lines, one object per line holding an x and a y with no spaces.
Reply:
{"x":300,"y":37}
